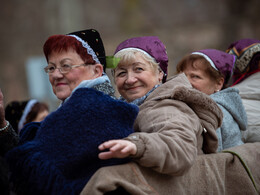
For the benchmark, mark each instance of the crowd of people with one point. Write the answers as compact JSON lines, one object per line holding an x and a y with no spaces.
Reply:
{"x":161,"y":124}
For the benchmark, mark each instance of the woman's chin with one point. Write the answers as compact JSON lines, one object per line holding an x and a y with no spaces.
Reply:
{"x":133,"y":97}
{"x":61,"y":96}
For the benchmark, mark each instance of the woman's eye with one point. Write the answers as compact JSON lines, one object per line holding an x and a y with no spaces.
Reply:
{"x":139,"y":69}
{"x":51,"y":68}
{"x":120,"y":74}
{"x":65,"y":66}
{"x":195,"y":76}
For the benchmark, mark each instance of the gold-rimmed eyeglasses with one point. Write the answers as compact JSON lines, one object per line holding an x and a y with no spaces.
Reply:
{"x":65,"y":68}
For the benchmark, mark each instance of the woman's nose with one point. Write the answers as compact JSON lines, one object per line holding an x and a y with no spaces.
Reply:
{"x":131,"y":78}
{"x":57,"y":74}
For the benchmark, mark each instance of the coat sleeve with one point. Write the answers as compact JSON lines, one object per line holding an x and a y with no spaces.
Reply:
{"x":8,"y":140}
{"x":166,"y":141}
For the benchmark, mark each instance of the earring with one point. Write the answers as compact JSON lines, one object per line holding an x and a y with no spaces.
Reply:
{"x":216,"y":91}
{"x":160,"y":77}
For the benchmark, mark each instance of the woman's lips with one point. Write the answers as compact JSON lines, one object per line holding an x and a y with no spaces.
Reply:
{"x":133,"y":88}
{"x":60,"y":84}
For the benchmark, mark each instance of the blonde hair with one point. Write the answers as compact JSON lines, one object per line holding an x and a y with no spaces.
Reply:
{"x":129,"y":55}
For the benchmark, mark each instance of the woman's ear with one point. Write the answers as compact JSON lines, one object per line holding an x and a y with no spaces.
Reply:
{"x":160,"y":75}
{"x":219,"y":84}
{"x":98,"y":70}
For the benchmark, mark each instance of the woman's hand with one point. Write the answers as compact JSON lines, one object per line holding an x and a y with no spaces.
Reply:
{"x":117,"y":149}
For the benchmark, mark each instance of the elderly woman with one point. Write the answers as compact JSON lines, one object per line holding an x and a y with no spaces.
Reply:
{"x":208,"y":71}
{"x":63,"y":155}
{"x":175,"y":122}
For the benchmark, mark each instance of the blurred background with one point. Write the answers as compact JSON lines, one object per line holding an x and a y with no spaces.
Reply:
{"x":183,"y":26}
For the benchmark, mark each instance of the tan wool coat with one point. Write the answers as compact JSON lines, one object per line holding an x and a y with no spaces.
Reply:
{"x":234,"y":173}
{"x":174,"y":125}
{"x":175,"y":155}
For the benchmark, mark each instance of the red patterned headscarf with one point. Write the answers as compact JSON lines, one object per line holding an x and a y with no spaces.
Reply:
{"x":247,"y":52}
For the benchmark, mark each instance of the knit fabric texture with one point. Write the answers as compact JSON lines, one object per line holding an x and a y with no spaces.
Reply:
{"x":64,"y":153}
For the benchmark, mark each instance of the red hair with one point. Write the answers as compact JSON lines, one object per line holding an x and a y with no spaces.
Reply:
{"x":59,"y":43}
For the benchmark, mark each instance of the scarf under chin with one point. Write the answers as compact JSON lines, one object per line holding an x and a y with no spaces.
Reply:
{"x":90,"y":84}
{"x":140,"y":100}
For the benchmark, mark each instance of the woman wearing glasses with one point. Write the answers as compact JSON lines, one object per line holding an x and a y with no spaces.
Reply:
{"x":63,"y":155}
{"x":71,"y":61}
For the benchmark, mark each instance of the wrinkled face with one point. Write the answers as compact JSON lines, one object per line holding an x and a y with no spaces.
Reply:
{"x":63,"y":84}
{"x":199,"y":79}
{"x":135,"y":79}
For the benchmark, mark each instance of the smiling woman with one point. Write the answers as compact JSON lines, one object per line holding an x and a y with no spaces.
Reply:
{"x":63,"y":154}
{"x":63,"y":51}
{"x":136,"y":79}
{"x":64,"y":82}
{"x":175,"y":122}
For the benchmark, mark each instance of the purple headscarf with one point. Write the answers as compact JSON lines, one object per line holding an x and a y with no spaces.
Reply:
{"x":219,"y":60}
{"x":152,"y":45}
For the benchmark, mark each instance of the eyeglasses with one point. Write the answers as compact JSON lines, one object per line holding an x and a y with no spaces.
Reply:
{"x":65,"y":68}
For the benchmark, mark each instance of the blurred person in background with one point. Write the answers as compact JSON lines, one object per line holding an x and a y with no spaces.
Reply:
{"x":19,"y":113}
{"x":209,"y":71}
{"x":16,"y":113}
{"x":246,"y":78}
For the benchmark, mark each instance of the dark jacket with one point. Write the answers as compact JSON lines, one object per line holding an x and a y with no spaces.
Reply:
{"x":64,"y":153}
{"x":8,"y":140}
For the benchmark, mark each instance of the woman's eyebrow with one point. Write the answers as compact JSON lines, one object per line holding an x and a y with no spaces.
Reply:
{"x":65,"y":59}
{"x":62,"y":61}
{"x":138,"y":63}
{"x":120,"y":68}
{"x":51,"y":63}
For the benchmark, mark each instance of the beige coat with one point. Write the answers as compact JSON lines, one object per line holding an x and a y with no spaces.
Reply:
{"x":211,"y":174}
{"x":174,"y":116}
{"x":249,"y":91}
{"x":170,"y":127}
